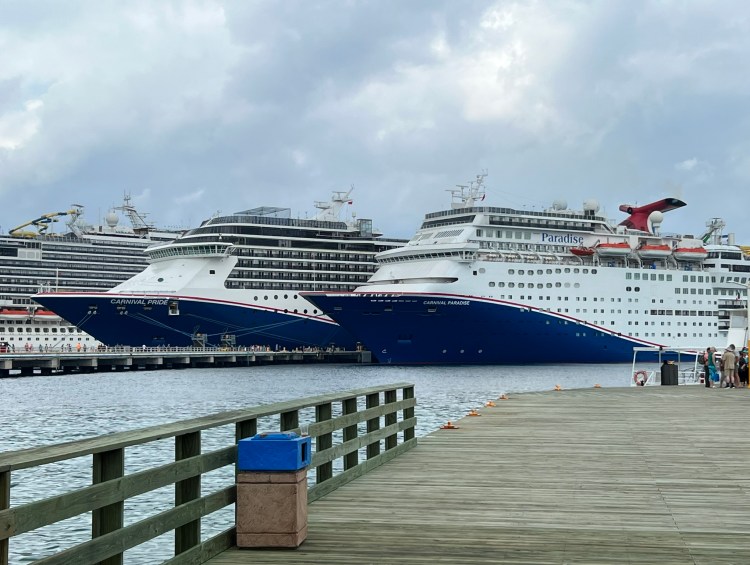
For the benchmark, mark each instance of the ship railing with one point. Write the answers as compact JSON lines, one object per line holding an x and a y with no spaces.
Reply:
{"x":93,"y":507}
{"x":649,"y":362}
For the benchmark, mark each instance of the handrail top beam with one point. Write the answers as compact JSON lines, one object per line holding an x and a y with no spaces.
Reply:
{"x":42,"y":455}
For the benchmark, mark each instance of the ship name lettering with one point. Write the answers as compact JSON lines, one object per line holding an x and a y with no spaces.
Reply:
{"x":141,"y":301}
{"x":458,"y":302}
{"x":567,"y":238}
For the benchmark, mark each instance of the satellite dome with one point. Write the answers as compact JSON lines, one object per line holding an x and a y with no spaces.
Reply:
{"x":112,"y":219}
{"x":655,"y":218}
{"x":591,"y":205}
{"x":559,"y":204}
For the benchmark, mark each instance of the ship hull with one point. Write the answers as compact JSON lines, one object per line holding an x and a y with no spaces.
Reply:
{"x":455,"y":329}
{"x":182,"y":321}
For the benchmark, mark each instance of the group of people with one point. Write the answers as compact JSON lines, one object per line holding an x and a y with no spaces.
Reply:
{"x":728,"y":370}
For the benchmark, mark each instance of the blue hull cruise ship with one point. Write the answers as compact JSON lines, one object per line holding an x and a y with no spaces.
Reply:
{"x":235,"y":281}
{"x":488,"y":285}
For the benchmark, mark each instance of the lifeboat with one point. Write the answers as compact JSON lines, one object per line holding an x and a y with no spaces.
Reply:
{"x":613,"y":249}
{"x":654,"y":251}
{"x":690,"y":253}
{"x":582,"y":251}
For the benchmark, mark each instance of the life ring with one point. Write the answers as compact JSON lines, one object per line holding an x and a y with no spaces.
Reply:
{"x":637,"y":381}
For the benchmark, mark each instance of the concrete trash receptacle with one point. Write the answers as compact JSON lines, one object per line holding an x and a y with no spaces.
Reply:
{"x":271,"y":508}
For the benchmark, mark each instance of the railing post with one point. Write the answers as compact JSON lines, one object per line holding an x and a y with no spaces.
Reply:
{"x":390,"y":419}
{"x":323,"y":472}
{"x":349,"y":406}
{"x":4,"y":505}
{"x":188,"y":535}
{"x":108,"y":465}
{"x":408,"y":412}
{"x":245,"y":429}
{"x":373,"y":424}
{"x":289,"y":420}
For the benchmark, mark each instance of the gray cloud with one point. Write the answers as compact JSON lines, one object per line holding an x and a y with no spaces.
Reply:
{"x":202,"y":106}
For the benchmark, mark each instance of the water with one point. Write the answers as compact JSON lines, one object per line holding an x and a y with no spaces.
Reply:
{"x":44,"y":410}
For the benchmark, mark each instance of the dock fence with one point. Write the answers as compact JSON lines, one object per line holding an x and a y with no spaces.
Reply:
{"x":353,"y":432}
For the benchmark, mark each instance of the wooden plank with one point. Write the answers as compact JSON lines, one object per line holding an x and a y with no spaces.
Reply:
{"x":349,"y":406}
{"x":342,"y":449}
{"x":289,"y":420}
{"x":24,"y":458}
{"x":33,"y":515}
{"x":323,"y":441}
{"x":610,"y":476}
{"x":206,"y":550}
{"x":373,"y":424}
{"x":135,"y":534}
{"x":187,"y":535}
{"x":390,"y":419}
{"x":408,"y":413}
{"x":107,"y":466}
{"x":4,"y":504}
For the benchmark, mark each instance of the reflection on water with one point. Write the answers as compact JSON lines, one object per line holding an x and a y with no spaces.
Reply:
{"x":45,"y":410}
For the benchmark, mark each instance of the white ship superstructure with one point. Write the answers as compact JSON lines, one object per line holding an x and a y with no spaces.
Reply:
{"x":235,"y":280}
{"x":83,"y":257}
{"x":483,"y":284}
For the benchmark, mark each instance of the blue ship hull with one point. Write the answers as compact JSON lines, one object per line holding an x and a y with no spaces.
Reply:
{"x":449,"y":329}
{"x":153,"y":320}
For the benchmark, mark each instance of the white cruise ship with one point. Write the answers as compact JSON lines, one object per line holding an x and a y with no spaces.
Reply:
{"x":480,"y":284}
{"x":84,"y":257}
{"x":235,"y":281}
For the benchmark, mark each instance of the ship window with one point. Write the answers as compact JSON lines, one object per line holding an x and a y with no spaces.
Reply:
{"x":511,"y":272}
{"x":211,"y":272}
{"x":492,"y":284}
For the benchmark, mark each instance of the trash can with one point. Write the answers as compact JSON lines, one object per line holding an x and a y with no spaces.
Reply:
{"x":668,"y":373}
{"x":271,"y":508}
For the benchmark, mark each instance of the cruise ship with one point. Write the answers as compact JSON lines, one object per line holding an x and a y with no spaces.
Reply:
{"x":491,"y":285}
{"x":235,"y":281}
{"x":83,"y":257}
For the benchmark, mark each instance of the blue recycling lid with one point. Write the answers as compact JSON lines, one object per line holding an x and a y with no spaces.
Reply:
{"x":275,"y":436}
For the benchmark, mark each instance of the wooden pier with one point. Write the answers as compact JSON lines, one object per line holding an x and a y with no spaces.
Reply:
{"x":152,"y":358}
{"x":647,"y":475}
{"x":622,"y":475}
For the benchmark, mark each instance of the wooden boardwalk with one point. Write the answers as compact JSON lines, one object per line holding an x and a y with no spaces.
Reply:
{"x":646,"y":475}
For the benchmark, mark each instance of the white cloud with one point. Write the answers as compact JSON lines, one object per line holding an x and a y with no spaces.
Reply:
{"x":686,"y":165}
{"x":18,"y":128}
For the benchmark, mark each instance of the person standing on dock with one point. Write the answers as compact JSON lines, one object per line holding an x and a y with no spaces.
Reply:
{"x":711,"y":364}
{"x":703,"y":360}
{"x":742,"y":368}
{"x":728,"y":363}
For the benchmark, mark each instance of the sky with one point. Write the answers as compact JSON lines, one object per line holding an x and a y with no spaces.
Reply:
{"x":198,"y":107}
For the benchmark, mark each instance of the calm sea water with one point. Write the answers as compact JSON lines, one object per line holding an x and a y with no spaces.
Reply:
{"x":43,"y":410}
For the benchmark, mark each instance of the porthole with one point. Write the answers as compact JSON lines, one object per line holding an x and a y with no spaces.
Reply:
{"x":160,"y":279}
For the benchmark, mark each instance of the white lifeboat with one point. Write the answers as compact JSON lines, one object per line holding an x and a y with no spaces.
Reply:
{"x":613,"y":249}
{"x":654,"y":251}
{"x":690,"y":253}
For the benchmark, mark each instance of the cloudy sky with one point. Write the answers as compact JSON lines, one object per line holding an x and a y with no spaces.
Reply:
{"x":195,"y":107}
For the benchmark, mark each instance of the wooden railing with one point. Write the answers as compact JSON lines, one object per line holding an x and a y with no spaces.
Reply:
{"x":336,"y":417}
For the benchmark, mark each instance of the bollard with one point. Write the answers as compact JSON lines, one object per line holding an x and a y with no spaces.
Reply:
{"x":271,"y":506}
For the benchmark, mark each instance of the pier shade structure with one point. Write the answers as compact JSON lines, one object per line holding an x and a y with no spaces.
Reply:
{"x":353,"y":432}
